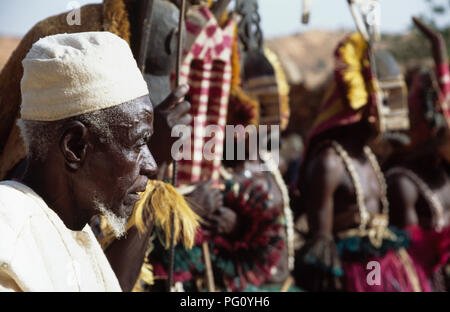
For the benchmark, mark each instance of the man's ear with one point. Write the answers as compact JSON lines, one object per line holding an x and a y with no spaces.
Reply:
{"x":73,"y":144}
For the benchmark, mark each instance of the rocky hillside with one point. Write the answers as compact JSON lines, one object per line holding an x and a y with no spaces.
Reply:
{"x":307,"y":57}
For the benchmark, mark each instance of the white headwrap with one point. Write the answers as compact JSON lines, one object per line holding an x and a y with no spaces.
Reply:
{"x":66,"y":75}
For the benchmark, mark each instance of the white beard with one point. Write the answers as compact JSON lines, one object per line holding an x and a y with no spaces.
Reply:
{"x":117,"y":224}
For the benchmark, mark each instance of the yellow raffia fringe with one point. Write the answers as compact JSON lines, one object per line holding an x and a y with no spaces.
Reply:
{"x":156,"y":204}
{"x":353,"y":58}
{"x":146,"y":276}
{"x":164,"y":199}
{"x":115,"y":18}
{"x":283,"y":87}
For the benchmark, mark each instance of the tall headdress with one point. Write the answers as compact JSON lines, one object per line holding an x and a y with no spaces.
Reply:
{"x":430,"y":92}
{"x":389,"y":86}
{"x":263,"y":78}
{"x":368,"y":82}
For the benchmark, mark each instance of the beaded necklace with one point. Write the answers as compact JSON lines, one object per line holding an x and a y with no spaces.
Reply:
{"x":273,"y":168}
{"x":364,"y":214}
{"x":436,"y":206}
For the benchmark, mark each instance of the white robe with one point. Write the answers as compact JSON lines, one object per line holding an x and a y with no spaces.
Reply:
{"x":39,"y":253}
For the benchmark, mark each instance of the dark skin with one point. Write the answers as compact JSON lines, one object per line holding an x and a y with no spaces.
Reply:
{"x":208,"y":204}
{"x":160,"y":63}
{"x":71,"y":176}
{"x":174,"y":110}
{"x":429,"y":163}
{"x":411,"y":208}
{"x":170,"y":109}
{"x":330,"y":190}
{"x":80,"y":167}
{"x":330,"y":200}
{"x":171,"y":112}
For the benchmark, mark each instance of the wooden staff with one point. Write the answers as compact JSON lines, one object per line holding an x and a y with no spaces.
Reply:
{"x":143,"y":32}
{"x":360,"y":25}
{"x":210,"y":285}
{"x":174,"y":168}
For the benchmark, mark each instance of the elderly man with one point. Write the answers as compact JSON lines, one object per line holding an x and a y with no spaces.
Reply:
{"x":86,"y":118}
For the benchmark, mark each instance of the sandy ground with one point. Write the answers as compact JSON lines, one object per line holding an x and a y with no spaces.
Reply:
{"x":7,"y":46}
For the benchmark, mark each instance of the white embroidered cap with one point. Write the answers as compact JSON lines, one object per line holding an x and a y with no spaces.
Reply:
{"x":67,"y":75}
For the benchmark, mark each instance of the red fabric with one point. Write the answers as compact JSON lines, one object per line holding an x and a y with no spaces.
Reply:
{"x":429,"y":249}
{"x":178,"y":276}
{"x":443,"y":75}
{"x":421,"y":130}
{"x":347,"y":115}
{"x":394,"y":277}
{"x":206,"y":69}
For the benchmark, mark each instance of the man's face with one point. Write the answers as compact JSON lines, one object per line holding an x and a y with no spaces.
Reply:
{"x":119,"y":168}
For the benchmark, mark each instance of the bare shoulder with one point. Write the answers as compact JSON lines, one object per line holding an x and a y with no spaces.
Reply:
{"x":401,"y":186}
{"x":326,"y":163}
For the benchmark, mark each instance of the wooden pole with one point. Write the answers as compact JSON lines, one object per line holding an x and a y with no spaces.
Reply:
{"x":210,"y":285}
{"x":145,"y":19}
{"x":174,"y":168}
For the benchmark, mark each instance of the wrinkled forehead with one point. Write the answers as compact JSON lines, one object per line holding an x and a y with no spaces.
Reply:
{"x":136,"y":112}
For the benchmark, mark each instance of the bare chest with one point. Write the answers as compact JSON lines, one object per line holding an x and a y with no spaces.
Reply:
{"x":438,"y":182}
{"x":369,"y":187}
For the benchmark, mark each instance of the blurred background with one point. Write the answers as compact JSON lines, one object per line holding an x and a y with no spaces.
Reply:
{"x":305,"y":50}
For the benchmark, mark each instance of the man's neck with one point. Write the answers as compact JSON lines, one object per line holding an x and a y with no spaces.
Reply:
{"x":430,"y":160}
{"x":54,"y":190}
{"x":353,"y":145}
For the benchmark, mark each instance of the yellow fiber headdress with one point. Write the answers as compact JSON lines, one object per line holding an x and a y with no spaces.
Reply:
{"x":283,"y":87}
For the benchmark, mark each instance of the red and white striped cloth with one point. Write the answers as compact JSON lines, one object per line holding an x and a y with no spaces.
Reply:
{"x":206,"y":68}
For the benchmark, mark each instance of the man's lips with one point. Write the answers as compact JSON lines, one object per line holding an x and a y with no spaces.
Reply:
{"x":130,"y":201}
{"x":140,"y":187}
{"x":133,"y":197}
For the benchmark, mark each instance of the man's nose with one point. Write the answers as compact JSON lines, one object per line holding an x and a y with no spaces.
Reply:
{"x":148,"y":167}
